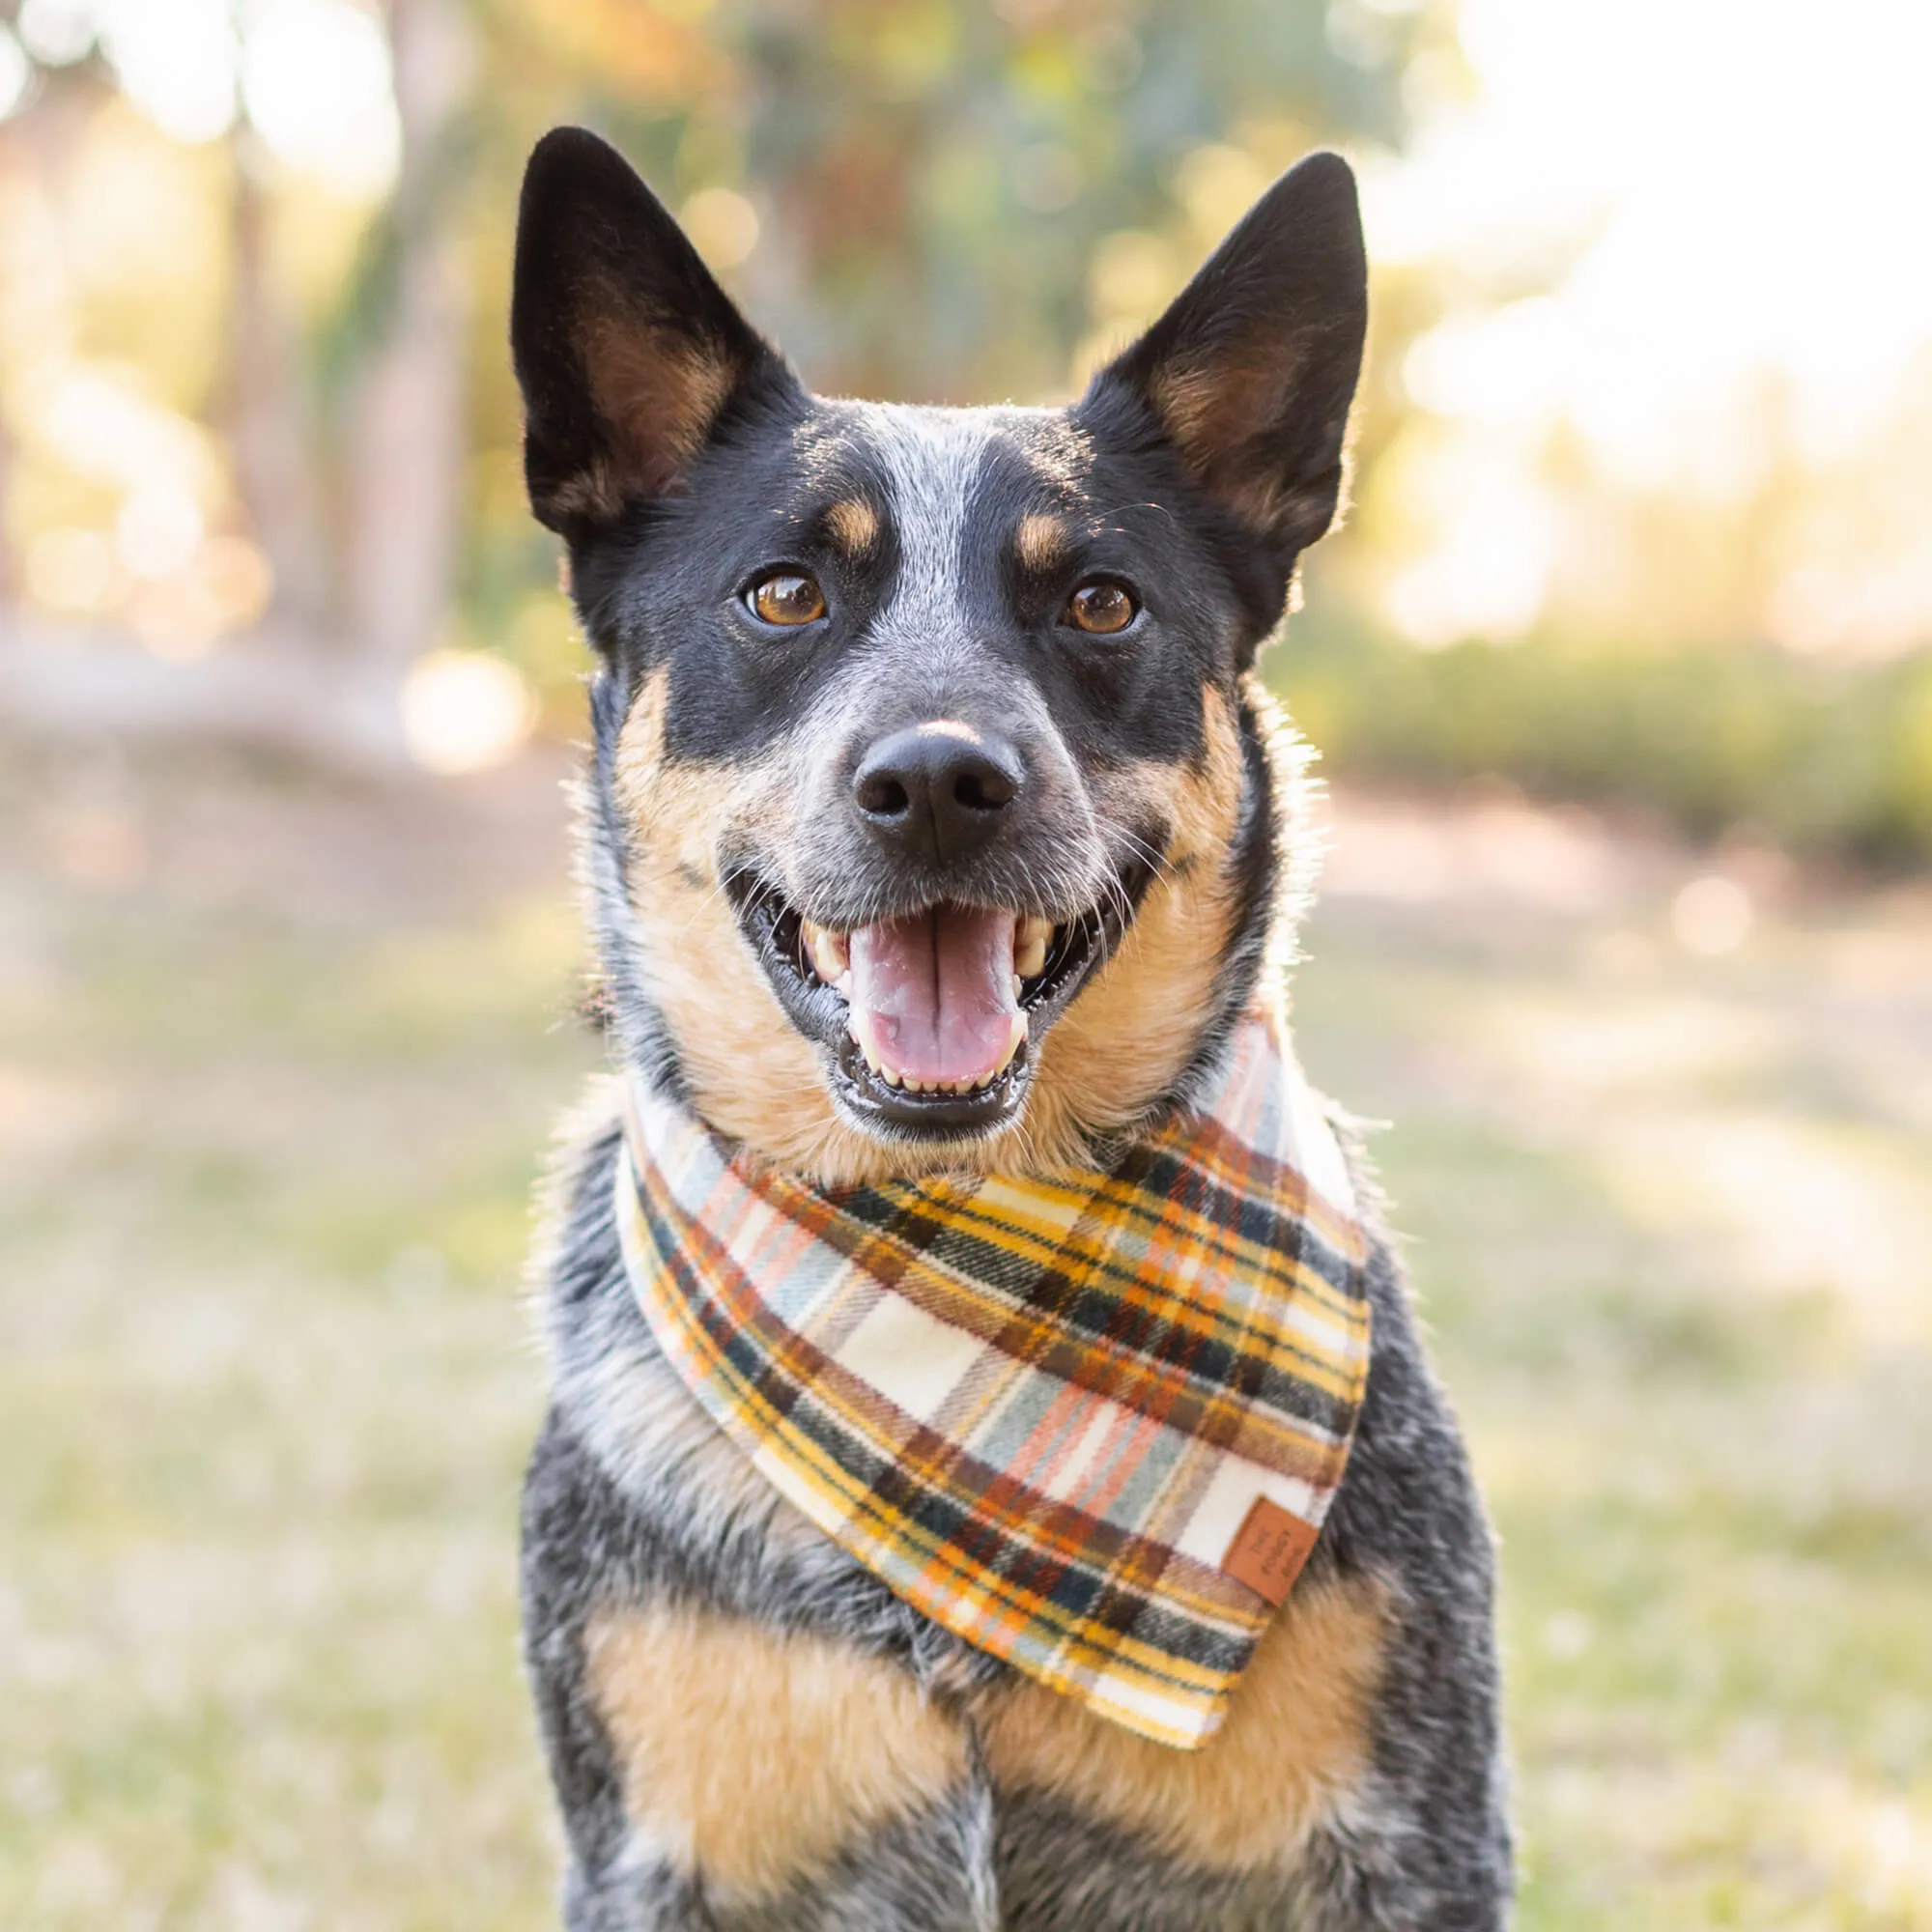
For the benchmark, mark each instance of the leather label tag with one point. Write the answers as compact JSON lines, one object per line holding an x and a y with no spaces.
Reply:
{"x":1268,"y":1550}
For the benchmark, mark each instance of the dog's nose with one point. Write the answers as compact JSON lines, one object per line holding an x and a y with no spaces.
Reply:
{"x":939,"y":789}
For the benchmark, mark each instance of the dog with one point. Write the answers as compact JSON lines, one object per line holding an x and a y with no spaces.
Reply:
{"x":937,"y":825}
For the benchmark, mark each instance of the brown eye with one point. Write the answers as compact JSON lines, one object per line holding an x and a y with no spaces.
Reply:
{"x":1101,"y":608}
{"x":785,"y":597}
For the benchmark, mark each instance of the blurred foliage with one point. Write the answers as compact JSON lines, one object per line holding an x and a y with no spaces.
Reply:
{"x":952,"y":198}
{"x":933,"y":201}
{"x":1820,"y":757}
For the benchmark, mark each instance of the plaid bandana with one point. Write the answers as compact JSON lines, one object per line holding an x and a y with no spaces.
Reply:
{"x":1090,"y":1422}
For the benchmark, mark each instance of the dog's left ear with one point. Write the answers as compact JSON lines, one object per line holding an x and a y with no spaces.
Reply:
{"x":1251,"y":371}
{"x":629,"y":354}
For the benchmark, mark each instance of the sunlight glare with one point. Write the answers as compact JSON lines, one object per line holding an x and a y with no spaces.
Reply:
{"x":16,"y":73}
{"x":317,"y":80}
{"x":176,"y":59}
{"x":57,"y":32}
{"x":723,"y":226}
{"x":1712,"y":915}
{"x":464,"y":711}
{"x":1724,"y":202}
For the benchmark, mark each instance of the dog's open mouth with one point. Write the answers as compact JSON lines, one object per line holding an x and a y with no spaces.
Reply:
{"x":933,"y":1019}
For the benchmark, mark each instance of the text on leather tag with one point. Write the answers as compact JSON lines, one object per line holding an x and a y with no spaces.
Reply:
{"x":1268,"y":1550}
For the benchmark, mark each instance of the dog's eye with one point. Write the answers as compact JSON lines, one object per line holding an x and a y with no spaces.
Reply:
{"x":785,"y":597}
{"x":1101,"y":608}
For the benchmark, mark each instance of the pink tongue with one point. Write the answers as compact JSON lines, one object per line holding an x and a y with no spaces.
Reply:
{"x":935,"y":992}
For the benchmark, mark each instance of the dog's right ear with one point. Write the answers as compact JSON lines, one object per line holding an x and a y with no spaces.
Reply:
{"x":627,"y":350}
{"x":1251,"y":372}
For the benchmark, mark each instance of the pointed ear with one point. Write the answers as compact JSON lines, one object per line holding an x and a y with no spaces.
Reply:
{"x":627,"y":350}
{"x":1251,"y":371}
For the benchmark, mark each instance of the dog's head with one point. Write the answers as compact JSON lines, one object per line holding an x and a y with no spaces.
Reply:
{"x":931,"y":816}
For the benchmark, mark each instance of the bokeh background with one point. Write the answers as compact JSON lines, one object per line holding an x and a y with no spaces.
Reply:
{"x":1622,"y":671}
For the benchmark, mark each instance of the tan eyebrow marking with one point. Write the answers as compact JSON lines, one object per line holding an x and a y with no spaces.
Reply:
{"x":1040,"y":542}
{"x":853,"y":526}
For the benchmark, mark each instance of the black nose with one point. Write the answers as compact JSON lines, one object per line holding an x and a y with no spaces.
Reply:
{"x":937,"y":790}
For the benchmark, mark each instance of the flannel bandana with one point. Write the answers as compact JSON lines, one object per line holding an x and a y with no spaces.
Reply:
{"x":1045,"y":1411}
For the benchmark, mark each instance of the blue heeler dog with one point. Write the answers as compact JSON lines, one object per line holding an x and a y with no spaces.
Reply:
{"x":936,"y":824}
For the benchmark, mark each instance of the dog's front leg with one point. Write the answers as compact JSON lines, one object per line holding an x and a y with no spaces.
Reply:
{"x":633,"y":1892}
{"x":721,"y":1772}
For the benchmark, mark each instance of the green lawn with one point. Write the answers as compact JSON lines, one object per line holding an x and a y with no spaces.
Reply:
{"x":276,"y":1068}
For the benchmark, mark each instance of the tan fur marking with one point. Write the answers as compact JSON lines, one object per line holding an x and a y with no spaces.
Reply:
{"x":1120,"y":1044}
{"x":1190,"y":402}
{"x":752,"y":1075}
{"x":1295,"y":1741}
{"x":751,"y":1755}
{"x":1203,"y":407}
{"x":853,"y":525}
{"x":598,"y":493}
{"x":1206,"y":412}
{"x":1040,"y":542}
{"x":657,"y":392}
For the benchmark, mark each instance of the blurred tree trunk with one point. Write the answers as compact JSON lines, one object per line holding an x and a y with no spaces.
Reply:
{"x":272,"y":419}
{"x":405,"y":433}
{"x":40,"y":146}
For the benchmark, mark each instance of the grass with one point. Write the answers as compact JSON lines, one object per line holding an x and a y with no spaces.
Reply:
{"x":1826,"y":758}
{"x":276,"y":1067}
{"x":1698,"y":1402}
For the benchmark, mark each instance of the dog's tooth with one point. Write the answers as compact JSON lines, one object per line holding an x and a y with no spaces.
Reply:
{"x":1029,"y":944}
{"x":1013,"y":1039}
{"x":1016,"y":985}
{"x":828,"y":951}
{"x":889,"y":1075}
{"x":856,"y":1024}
